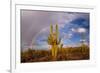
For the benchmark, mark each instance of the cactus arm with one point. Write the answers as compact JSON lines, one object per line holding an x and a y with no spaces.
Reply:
{"x":51,"y":29}
{"x":59,"y":41}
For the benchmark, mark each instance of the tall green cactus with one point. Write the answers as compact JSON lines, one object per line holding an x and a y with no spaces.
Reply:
{"x":54,"y":41}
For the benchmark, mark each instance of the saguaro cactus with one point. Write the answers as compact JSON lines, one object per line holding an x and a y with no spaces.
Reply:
{"x":83,"y":36}
{"x":54,"y":41}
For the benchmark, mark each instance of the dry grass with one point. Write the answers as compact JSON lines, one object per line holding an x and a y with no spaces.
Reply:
{"x":64,"y":54}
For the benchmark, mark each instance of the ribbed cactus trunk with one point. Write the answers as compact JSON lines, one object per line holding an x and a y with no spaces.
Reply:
{"x":54,"y":52}
{"x":54,"y":41}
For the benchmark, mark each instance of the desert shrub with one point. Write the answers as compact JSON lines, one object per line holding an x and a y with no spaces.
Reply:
{"x":70,"y":53}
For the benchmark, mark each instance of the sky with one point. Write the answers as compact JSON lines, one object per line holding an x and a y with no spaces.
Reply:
{"x":35,"y":27}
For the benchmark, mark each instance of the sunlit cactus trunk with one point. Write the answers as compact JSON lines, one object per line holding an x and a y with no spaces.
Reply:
{"x":54,"y":41}
{"x":54,"y":51}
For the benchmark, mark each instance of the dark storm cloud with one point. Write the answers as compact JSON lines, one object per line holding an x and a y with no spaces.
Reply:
{"x":32,"y":22}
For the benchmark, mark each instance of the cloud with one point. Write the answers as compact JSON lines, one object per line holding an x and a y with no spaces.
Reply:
{"x":40,"y":47}
{"x":79,"y":30}
{"x":67,"y":35}
{"x":82,"y":40}
{"x":35,"y":24}
{"x":81,"y":22}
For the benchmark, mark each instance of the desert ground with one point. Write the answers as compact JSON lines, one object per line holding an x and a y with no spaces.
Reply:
{"x":63,"y":54}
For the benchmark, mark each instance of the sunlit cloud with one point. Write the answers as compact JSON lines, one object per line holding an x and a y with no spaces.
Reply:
{"x":67,"y":35}
{"x":79,"y":30}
